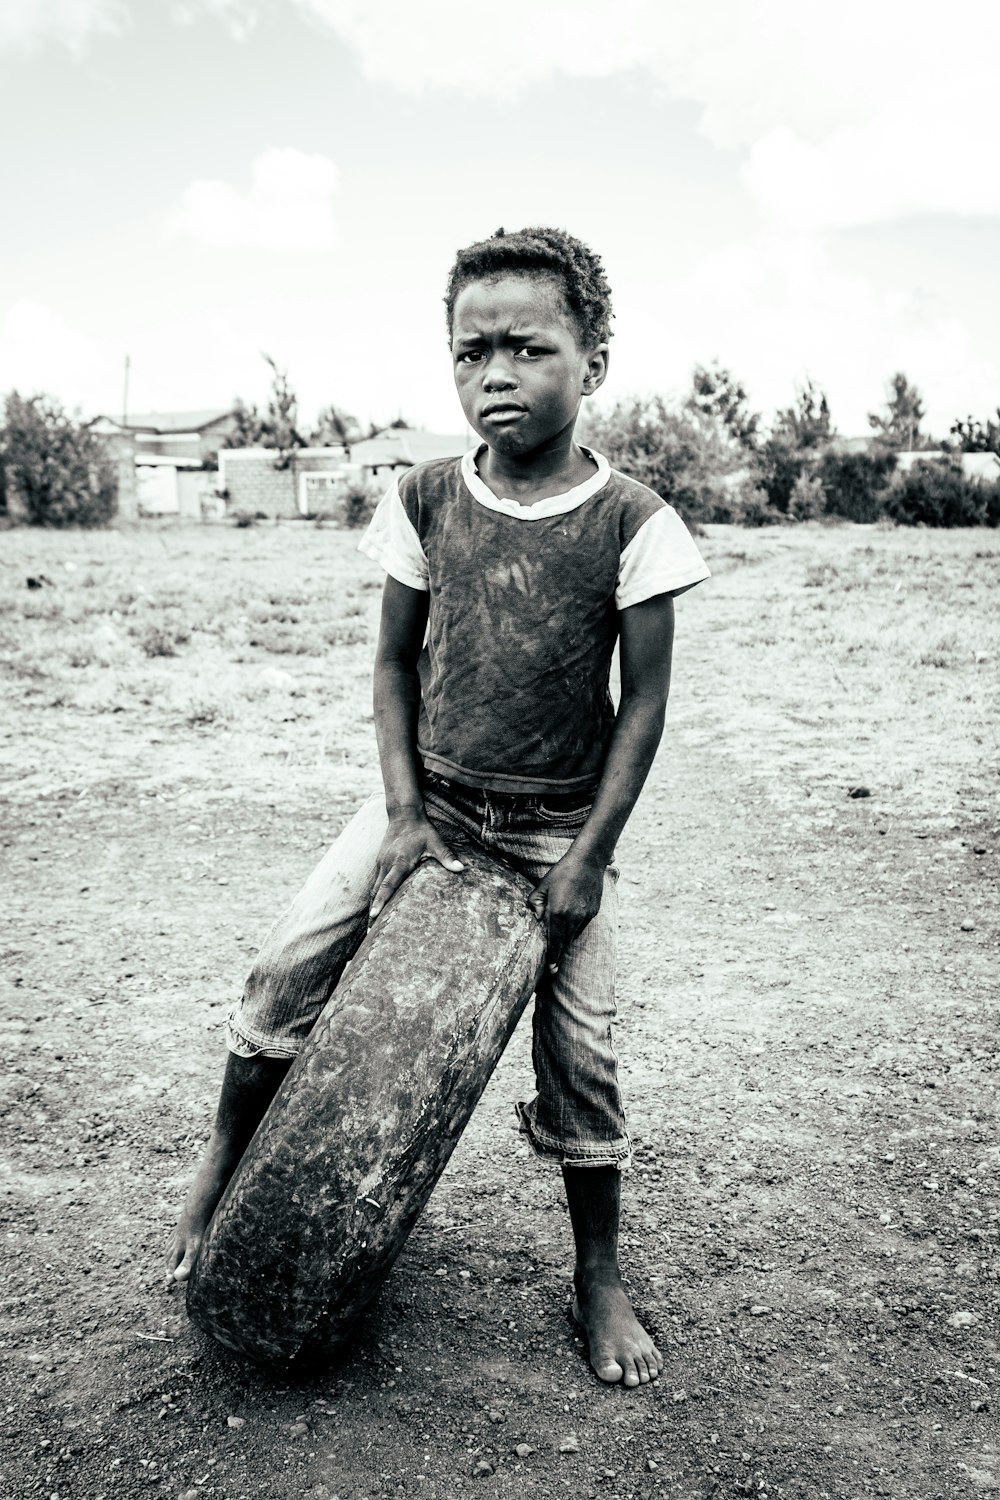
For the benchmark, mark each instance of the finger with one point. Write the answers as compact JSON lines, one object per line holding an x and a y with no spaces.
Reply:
{"x":537,"y":902}
{"x":438,"y":849}
{"x":389,"y":884}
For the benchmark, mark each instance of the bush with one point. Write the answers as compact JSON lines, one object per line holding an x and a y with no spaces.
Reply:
{"x":854,"y":484}
{"x":807,"y":500}
{"x":937,"y":493}
{"x":56,"y":469}
{"x":360,"y":500}
{"x":686,"y":455}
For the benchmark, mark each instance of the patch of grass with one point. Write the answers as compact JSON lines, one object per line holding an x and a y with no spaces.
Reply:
{"x":350,"y":633}
{"x":281,"y":642}
{"x":162,"y":640}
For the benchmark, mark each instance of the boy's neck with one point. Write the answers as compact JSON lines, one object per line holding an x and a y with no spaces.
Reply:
{"x":527,"y":477}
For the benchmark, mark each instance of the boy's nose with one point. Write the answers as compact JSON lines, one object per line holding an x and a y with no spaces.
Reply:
{"x":500,"y":376}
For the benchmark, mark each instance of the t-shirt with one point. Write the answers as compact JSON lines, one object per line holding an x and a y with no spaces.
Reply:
{"x":524,"y":614}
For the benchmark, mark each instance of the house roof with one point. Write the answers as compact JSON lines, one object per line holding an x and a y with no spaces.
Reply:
{"x":403,"y":446}
{"x":168,"y":421}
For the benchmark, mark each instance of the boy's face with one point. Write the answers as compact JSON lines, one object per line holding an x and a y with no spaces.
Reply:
{"x":519,"y":367}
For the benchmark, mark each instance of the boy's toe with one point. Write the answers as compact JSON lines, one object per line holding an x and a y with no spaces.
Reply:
{"x":607,"y":1368}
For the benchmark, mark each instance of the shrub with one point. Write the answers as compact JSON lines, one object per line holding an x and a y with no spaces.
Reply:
{"x":243,"y":518}
{"x":807,"y":500}
{"x":937,"y":493}
{"x":688,"y":456}
{"x":854,"y":484}
{"x":56,"y":468}
{"x":360,"y":500}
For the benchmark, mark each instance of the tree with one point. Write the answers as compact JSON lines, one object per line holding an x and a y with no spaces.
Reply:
{"x":275,"y":427}
{"x":56,"y":467}
{"x":807,"y":423}
{"x":799,"y":435}
{"x":972,"y":436}
{"x":334,"y":426}
{"x":897,"y":427}
{"x":689,"y":458}
{"x":718,"y":395}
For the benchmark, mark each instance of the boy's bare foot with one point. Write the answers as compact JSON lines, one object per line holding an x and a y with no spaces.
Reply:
{"x":248,"y":1086}
{"x":213,"y":1174}
{"x":619,"y":1346}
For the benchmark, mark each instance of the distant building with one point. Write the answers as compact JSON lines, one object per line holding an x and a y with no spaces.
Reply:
{"x":165,"y":460}
{"x":982,"y":466}
{"x":313,"y":482}
{"x":172,"y":434}
{"x":402,"y":447}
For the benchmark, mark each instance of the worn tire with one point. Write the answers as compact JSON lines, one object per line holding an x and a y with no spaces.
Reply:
{"x":369,"y":1113}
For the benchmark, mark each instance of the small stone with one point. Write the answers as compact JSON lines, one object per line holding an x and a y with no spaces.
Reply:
{"x":651,"y":1464}
{"x":524,"y":1450}
{"x":299,"y":1429}
{"x":569,"y":1445}
{"x":859,"y":791}
{"x":838,"y":1411}
{"x":759,"y":1310}
{"x":979,"y":848}
{"x":680,"y":1396}
{"x":441,"y":1271}
{"x":968,"y":925}
{"x":236,"y":1422}
{"x":963,"y":1320}
{"x":191,"y":1494}
{"x":482,"y":1469}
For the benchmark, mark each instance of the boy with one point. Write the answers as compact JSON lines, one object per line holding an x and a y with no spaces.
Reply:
{"x":511,"y":573}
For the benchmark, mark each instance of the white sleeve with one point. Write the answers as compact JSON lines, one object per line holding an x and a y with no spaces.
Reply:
{"x":660,"y":559}
{"x":391,"y":539}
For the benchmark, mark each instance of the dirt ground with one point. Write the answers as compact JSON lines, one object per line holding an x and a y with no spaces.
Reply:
{"x":808,"y":1001}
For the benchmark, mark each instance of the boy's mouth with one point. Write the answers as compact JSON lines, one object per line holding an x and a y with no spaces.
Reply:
{"x":500,"y":412}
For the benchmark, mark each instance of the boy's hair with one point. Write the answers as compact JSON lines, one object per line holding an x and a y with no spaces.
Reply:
{"x":543,"y":252}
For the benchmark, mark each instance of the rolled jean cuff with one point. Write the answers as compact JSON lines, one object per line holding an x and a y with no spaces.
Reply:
{"x":245,"y":1046}
{"x":558,"y":1153}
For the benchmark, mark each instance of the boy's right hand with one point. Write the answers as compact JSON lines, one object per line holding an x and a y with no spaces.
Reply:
{"x":409,"y":839}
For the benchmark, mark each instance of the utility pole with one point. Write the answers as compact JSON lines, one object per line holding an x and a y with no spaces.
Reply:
{"x":125,"y":394}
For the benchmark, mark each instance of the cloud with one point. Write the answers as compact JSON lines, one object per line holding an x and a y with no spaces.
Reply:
{"x":905,"y":161}
{"x":239,"y":16}
{"x":29,"y":23}
{"x":778,"y":308}
{"x":849,"y":114}
{"x":289,"y":206}
{"x":41,"y":352}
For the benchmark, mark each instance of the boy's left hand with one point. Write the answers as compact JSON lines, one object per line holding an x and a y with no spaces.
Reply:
{"x":565,"y":900}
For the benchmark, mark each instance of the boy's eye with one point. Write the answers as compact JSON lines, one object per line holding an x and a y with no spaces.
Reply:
{"x":470,"y":356}
{"x":531,"y":351}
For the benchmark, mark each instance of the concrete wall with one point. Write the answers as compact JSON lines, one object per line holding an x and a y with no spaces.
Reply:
{"x":254,"y":484}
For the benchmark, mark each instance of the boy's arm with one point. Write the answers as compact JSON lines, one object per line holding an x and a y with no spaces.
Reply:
{"x":570,"y":894}
{"x":410,"y":836}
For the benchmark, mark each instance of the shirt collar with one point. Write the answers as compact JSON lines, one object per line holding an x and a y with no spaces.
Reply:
{"x":553,"y":505}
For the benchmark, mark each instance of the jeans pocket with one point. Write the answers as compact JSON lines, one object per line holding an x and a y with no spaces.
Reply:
{"x":562,"y":813}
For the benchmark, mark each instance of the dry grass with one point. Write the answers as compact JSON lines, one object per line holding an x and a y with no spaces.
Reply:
{"x":850,"y":655}
{"x":825,"y":656}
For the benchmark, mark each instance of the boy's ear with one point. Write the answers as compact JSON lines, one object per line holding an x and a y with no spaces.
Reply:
{"x":597,"y":369}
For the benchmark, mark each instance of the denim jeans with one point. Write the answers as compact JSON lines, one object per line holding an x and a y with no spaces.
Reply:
{"x":577,"y":1116}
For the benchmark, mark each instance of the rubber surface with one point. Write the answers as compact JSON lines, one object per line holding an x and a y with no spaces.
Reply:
{"x":369,"y":1113}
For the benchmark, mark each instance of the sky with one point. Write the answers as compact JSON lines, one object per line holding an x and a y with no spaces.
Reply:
{"x":798,"y":191}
